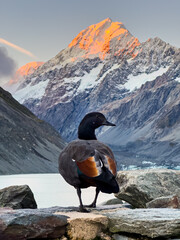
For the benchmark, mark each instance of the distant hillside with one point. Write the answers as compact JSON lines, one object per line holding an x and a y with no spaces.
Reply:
{"x":27,"y":144}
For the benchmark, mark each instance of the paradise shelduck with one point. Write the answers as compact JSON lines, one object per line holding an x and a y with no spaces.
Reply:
{"x":88,"y":162}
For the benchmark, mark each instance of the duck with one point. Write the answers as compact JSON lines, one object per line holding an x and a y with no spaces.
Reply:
{"x":86,"y":162}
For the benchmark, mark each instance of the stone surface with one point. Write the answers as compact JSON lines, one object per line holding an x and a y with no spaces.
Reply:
{"x":17,"y":197}
{"x":31,"y":224}
{"x":139,"y":187}
{"x":146,"y":222}
{"x":66,"y":223}
{"x":85,"y":226}
{"x":164,"y":202}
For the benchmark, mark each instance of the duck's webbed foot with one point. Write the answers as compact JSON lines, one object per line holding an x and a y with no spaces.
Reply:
{"x":82,"y":209}
{"x":92,"y":205}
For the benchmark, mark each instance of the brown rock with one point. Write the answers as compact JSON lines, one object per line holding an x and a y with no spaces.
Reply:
{"x":17,"y":197}
{"x":85,"y":226}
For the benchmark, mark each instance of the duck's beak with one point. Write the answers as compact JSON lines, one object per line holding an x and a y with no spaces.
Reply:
{"x":108,"y":123}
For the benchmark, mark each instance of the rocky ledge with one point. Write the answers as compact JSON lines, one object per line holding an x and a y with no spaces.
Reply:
{"x":115,"y":222}
{"x":154,"y":193}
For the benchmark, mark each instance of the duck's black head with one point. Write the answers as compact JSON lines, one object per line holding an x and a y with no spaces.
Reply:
{"x":89,"y":123}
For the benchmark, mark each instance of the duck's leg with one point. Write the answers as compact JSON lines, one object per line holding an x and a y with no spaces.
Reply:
{"x":81,"y":207}
{"x":93,"y":204}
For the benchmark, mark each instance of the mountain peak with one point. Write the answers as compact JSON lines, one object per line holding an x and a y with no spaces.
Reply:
{"x":24,"y":71}
{"x":21,"y":74}
{"x":106,"y":20}
{"x":102,"y":39}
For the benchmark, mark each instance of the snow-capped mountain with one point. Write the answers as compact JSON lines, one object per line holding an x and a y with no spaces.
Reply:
{"x":107,"y":69}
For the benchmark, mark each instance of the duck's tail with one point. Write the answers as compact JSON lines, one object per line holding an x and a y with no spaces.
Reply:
{"x":106,"y":182}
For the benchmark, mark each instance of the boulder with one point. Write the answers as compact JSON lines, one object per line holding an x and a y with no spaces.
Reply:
{"x":153,"y":223}
{"x":17,"y":197}
{"x":31,"y":224}
{"x":113,"y":201}
{"x":164,"y":202}
{"x":139,"y":187}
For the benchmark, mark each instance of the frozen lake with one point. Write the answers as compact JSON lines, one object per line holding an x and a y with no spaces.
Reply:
{"x":52,"y":190}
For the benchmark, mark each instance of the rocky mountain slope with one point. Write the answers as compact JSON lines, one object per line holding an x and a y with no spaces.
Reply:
{"x":135,"y":84}
{"x":27,"y":144}
{"x":148,"y":125}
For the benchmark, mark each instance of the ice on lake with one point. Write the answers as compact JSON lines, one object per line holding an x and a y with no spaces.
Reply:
{"x":52,"y":190}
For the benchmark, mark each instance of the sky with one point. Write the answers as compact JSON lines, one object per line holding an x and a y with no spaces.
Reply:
{"x":37,"y":30}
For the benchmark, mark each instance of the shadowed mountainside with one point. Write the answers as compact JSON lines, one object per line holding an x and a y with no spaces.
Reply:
{"x":27,"y":144}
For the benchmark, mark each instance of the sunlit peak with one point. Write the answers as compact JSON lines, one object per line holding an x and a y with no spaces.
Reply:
{"x":107,"y":20}
{"x":100,"y":39}
{"x":25,"y":70}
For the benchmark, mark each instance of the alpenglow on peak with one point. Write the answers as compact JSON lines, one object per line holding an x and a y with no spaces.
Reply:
{"x":103,"y":39}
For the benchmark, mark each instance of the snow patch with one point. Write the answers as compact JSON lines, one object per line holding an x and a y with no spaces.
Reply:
{"x":89,"y":80}
{"x":130,"y":167}
{"x":135,"y":82}
{"x":115,"y":66}
{"x":148,"y":162}
{"x":177,"y":79}
{"x":35,"y":91}
{"x":177,"y":168}
{"x":76,"y":85}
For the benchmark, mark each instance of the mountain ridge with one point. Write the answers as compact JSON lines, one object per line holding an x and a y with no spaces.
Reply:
{"x":99,"y":39}
{"x":73,"y":53}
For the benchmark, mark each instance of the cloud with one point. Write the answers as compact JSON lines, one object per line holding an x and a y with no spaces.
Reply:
{"x":3,"y":41}
{"x":7,"y":64}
